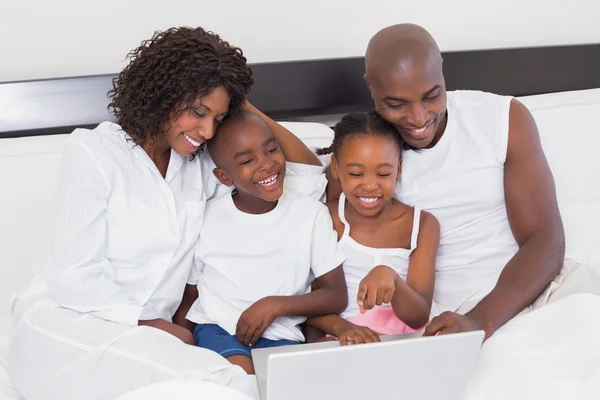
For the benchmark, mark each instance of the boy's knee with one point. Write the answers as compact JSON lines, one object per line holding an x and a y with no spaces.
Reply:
{"x":188,"y":338}
{"x":243,"y":361}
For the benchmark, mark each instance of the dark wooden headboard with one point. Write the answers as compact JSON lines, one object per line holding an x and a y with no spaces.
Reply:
{"x":317,"y":90}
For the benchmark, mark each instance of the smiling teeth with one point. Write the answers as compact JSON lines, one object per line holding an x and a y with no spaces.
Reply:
{"x":191,"y":141}
{"x":420,"y":129}
{"x":269,"y":182}
{"x":368,"y":199}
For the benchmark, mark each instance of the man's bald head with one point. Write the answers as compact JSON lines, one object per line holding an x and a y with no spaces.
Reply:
{"x":404,"y":73}
{"x":401,"y":47}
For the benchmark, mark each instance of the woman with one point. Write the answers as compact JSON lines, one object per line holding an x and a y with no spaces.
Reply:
{"x":96,"y":321}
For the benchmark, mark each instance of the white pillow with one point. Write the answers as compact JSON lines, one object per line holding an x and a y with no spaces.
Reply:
{"x":571,"y":143}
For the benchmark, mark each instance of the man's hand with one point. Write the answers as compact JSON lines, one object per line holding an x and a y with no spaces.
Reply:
{"x":179,"y":332}
{"x":449,"y":322}
{"x":376,"y":288}
{"x":357,"y":334}
{"x":256,"y":320}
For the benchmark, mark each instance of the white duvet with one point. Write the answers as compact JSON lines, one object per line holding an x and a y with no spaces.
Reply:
{"x":550,"y":354}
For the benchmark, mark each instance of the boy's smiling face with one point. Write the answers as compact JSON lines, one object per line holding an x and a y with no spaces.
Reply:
{"x":248,"y":156}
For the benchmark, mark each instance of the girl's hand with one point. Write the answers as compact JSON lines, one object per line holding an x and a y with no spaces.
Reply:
{"x":376,"y":288}
{"x":357,"y":334}
{"x":256,"y":320}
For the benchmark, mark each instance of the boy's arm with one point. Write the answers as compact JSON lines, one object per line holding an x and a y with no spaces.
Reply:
{"x":190,"y":295}
{"x":293,"y":148}
{"x":330,"y":298}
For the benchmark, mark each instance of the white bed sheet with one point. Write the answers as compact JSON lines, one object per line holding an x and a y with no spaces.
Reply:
{"x":550,"y":354}
{"x":6,"y":391}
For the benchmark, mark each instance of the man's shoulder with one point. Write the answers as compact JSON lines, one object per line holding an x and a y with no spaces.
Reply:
{"x":476,"y":98}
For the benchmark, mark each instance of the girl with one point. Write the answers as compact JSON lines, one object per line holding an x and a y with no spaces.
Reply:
{"x":390,"y":247}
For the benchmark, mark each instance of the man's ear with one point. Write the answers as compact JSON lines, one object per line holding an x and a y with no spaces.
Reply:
{"x":367,"y":81}
{"x":222,"y":176}
{"x":334,"y":168}
{"x":399,"y":169}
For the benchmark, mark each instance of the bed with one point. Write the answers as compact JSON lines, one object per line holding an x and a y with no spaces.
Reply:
{"x":560,"y":85}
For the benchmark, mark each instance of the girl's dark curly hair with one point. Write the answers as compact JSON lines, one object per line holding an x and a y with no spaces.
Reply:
{"x":361,"y":124}
{"x":175,"y":67}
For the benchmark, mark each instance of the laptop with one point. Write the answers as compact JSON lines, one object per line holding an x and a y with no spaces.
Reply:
{"x":407,"y":366}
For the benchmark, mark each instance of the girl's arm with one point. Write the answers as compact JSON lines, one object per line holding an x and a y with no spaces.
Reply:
{"x":343,"y":329}
{"x":293,"y":148}
{"x":412,"y":299}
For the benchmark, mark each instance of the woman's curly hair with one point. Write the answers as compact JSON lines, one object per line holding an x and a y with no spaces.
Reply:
{"x":175,"y":67}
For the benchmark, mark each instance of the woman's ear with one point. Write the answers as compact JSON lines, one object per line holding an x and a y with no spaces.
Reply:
{"x":222,"y":176}
{"x":399,"y":169}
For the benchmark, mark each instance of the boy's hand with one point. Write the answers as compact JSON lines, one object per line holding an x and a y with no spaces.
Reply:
{"x":256,"y":319}
{"x":376,"y":288}
{"x":357,"y":334}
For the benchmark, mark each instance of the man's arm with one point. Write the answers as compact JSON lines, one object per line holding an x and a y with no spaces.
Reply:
{"x":293,"y":148}
{"x":536,"y":224}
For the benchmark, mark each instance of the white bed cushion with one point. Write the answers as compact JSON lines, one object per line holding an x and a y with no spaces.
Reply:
{"x":571,"y":143}
{"x":28,"y":178}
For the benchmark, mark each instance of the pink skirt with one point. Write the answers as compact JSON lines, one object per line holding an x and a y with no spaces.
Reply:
{"x":384,"y":321}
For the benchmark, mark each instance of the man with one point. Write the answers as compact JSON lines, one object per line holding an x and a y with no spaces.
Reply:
{"x":476,"y":162}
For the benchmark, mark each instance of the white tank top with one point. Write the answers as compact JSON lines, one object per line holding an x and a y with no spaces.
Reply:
{"x":461,"y":182}
{"x":360,"y":259}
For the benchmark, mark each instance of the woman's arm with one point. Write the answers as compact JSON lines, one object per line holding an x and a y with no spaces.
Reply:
{"x":293,"y":148}
{"x":78,"y":273}
{"x":412,"y":299}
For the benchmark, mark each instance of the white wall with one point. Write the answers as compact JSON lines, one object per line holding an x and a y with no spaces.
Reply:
{"x":51,"y":38}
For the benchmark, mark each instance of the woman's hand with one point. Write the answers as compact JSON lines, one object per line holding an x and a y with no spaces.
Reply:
{"x":376,"y":288}
{"x":178,"y":331}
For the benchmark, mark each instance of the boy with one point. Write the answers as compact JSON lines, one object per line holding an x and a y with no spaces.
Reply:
{"x":259,"y":251}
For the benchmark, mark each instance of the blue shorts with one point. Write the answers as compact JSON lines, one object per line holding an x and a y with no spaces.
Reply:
{"x":217,"y":339}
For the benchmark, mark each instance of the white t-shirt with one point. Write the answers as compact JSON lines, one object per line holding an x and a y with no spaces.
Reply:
{"x":242,"y":258}
{"x":461,"y":181}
